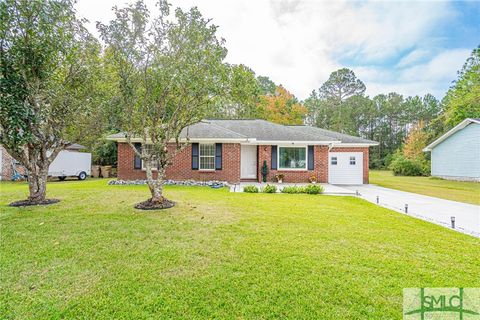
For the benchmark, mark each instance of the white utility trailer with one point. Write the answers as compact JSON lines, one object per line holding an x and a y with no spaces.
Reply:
{"x":70,"y":163}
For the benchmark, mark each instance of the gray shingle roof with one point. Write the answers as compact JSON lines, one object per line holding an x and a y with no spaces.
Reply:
{"x":261,"y":130}
{"x":344,"y":138}
{"x":207,"y":129}
{"x":76,"y":146}
{"x":266,"y":131}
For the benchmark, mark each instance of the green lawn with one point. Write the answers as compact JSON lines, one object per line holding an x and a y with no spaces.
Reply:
{"x":217,"y":255}
{"x":468,"y":192}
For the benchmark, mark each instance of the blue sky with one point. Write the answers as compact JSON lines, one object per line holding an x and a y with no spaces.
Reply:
{"x":411,"y":47}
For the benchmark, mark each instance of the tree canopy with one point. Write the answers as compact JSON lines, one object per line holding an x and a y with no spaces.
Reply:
{"x":48,"y":76}
{"x":463,"y":99}
{"x":170,"y":72}
{"x":282,"y":107}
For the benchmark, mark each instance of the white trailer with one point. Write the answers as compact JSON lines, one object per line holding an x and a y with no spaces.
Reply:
{"x":71,"y":164}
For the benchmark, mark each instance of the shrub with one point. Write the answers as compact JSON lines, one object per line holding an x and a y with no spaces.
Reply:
{"x":402,"y":166}
{"x":313,"y":189}
{"x":264,"y":171}
{"x":292,"y":189}
{"x":270,"y":189}
{"x":250,"y":189}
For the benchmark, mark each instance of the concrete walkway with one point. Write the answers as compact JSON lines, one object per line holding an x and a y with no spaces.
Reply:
{"x":438,"y":211}
{"x":329,"y":189}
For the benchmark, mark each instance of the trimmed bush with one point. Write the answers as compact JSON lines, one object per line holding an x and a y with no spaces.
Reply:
{"x":270,"y":189}
{"x":250,"y":189}
{"x":292,"y":189}
{"x":313,"y":189}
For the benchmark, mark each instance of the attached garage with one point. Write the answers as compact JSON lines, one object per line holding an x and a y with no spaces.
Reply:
{"x":345,"y":168}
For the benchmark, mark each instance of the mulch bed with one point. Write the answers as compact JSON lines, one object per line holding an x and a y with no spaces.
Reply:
{"x":26,"y":203}
{"x":149,"y":205}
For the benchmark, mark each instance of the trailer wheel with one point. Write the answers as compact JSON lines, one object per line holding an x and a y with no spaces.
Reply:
{"x":82,"y":176}
{"x":62,"y":178}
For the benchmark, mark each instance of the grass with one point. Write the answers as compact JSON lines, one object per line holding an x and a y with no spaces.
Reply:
{"x":461,"y":191}
{"x":217,"y":255}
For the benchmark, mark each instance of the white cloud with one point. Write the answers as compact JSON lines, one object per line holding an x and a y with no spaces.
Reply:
{"x":413,"y":57}
{"x":433,"y":76}
{"x":299,"y":43}
{"x":442,"y":66}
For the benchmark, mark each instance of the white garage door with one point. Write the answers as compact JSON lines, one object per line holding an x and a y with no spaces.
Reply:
{"x":345,"y":168}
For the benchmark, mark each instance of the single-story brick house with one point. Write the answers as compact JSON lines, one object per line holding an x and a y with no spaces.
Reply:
{"x":235,"y":150}
{"x":456,"y":154}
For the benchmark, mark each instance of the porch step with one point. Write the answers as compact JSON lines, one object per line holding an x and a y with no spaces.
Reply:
{"x":248,"y":180}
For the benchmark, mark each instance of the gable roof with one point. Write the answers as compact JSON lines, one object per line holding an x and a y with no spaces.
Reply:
{"x":452,"y":131}
{"x":75,"y":146}
{"x":260,"y":131}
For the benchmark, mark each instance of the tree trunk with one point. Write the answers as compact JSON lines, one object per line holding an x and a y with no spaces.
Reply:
{"x":155,"y":185}
{"x":37,"y":183}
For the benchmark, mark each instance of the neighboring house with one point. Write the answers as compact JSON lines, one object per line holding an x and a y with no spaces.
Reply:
{"x":235,"y":150}
{"x":456,"y":154}
{"x":7,"y":163}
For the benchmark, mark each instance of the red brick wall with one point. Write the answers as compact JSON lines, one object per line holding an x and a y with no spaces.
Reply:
{"x":181,"y":167}
{"x":6,"y":170}
{"x":365,"y":158}
{"x":6,"y":165}
{"x":297,"y":176}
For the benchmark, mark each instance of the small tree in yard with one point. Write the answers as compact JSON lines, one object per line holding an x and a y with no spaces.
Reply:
{"x":47,"y":67}
{"x":416,"y":140}
{"x":170,"y":70}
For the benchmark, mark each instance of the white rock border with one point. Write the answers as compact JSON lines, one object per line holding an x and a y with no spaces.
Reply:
{"x":213,"y":183}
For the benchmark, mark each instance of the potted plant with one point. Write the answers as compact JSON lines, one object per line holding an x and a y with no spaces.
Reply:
{"x":279,"y":177}
{"x":264,"y":171}
{"x":312,"y":179}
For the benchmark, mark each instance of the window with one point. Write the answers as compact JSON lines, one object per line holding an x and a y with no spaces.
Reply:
{"x":352,"y":161}
{"x":207,"y":156}
{"x":292,"y":158}
{"x":148,"y":148}
{"x":333,"y":161}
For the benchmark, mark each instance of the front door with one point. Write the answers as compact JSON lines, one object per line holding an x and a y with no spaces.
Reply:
{"x":248,"y":162}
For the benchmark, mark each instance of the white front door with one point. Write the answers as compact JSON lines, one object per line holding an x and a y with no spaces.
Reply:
{"x":248,"y":162}
{"x":345,"y":168}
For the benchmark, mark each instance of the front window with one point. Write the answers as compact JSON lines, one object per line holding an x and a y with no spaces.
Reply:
{"x":207,"y":156}
{"x":292,"y":157}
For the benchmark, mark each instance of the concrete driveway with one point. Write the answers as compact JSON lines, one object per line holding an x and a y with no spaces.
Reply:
{"x":438,"y":211}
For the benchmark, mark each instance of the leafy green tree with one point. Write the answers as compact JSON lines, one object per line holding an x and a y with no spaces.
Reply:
{"x":48,"y":78}
{"x":267,"y":86}
{"x":242,"y":94}
{"x":170,"y":70}
{"x":463,"y":99}
{"x":328,"y":107}
{"x":341,"y":85}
